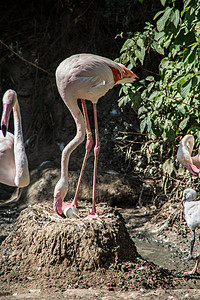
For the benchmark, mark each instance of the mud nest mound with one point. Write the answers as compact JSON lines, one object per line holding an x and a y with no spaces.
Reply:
{"x":76,"y":253}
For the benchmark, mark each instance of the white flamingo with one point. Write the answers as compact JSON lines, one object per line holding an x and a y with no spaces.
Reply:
{"x":192,"y":217}
{"x":184,"y":155}
{"x":13,"y":161}
{"x":85,"y":77}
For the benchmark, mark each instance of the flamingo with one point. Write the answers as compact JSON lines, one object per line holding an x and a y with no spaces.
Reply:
{"x":85,"y":77}
{"x":13,"y":160}
{"x":184,"y":155}
{"x":192,"y":217}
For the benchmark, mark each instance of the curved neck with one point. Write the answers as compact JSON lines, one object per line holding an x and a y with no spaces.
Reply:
{"x":18,"y":135}
{"x":79,"y":138}
{"x":21,"y":163}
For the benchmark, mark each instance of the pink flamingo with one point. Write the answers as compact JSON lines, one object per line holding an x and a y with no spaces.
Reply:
{"x":13,"y":161}
{"x":184,"y":155}
{"x":84,"y":76}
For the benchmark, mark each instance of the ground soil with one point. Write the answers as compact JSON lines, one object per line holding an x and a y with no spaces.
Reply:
{"x":46,"y":257}
{"x":43,"y":256}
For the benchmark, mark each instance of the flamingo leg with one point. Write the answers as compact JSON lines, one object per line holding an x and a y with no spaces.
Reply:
{"x":194,"y":270}
{"x":89,"y":145}
{"x":96,"y":154}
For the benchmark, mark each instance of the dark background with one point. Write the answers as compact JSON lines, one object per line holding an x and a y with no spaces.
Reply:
{"x":43,"y":33}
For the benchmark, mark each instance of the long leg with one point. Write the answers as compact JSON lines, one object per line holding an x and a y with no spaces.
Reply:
{"x":194,"y":270}
{"x":96,"y":154}
{"x":192,"y":243}
{"x":89,"y":144}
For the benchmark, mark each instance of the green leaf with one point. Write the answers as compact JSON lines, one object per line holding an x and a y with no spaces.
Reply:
{"x":175,"y":18}
{"x":158,"y":14}
{"x":181,"y":109}
{"x":140,"y":54}
{"x":149,"y":78}
{"x":154,"y":94}
{"x":168,"y":166}
{"x":186,"y":87}
{"x":149,"y":124}
{"x":163,"y":2}
{"x":184,"y":123}
{"x":129,"y":43}
{"x":150,"y":86}
{"x":158,"y":48}
{"x":195,"y":81}
{"x":162,"y":21}
{"x":140,"y":42}
{"x":159,"y":101}
{"x":123,"y":101}
{"x":142,"y":110}
{"x":136,"y":101}
{"x":143,"y":124}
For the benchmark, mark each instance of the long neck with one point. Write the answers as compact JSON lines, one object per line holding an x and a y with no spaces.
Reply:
{"x":21,"y":163}
{"x":17,"y":124}
{"x":79,"y":138}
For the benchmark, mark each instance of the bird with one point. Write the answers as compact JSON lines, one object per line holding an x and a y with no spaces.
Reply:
{"x":192,"y":217}
{"x":192,"y":164}
{"x":87,"y":77}
{"x":13,"y":160}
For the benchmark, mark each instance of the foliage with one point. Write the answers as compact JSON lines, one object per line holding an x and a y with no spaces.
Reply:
{"x":168,"y":100}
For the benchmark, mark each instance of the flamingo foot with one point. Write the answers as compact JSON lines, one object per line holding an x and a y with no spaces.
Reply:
{"x":194,"y":270}
{"x":189,"y":257}
{"x":70,"y":211}
{"x":92,"y":215}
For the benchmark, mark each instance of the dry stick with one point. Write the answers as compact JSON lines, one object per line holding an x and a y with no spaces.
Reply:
{"x":22,"y":58}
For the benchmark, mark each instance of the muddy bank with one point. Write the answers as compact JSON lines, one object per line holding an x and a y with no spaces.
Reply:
{"x":114,"y":256}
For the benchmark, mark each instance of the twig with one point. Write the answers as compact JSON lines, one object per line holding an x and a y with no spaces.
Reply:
{"x":25,"y":60}
{"x":147,"y":70}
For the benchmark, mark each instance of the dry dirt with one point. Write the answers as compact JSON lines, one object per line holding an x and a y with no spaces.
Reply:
{"x":47,"y":257}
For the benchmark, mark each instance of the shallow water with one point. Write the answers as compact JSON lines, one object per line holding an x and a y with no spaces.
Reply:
{"x":159,"y":255}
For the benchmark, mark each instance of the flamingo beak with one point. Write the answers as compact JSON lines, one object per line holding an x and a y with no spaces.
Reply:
{"x":5,"y":118}
{"x":4,"y":130}
{"x":128,"y":73}
{"x":58,"y":206}
{"x":192,"y":168}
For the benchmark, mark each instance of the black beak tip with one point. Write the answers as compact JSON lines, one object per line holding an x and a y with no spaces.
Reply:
{"x":4,"y":130}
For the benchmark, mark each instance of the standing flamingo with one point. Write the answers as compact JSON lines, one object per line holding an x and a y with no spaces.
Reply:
{"x":13,"y":161}
{"x":184,"y":155}
{"x":84,"y":76}
{"x":192,"y":217}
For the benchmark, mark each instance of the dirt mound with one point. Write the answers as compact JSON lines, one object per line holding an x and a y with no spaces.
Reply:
{"x":77,"y":253}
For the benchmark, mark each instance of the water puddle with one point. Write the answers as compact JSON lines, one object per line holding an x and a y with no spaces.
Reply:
{"x":159,"y":255}
{"x":168,"y":258}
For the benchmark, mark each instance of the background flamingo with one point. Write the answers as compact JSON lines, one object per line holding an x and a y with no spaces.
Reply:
{"x":84,"y":76}
{"x":192,"y":217}
{"x":184,"y":155}
{"x":13,"y":161}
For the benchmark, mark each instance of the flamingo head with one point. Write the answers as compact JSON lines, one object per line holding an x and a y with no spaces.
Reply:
{"x":184,"y":154}
{"x":9,"y":100}
{"x":127,"y":75}
{"x":189,"y":195}
{"x":60,"y":192}
{"x":58,"y":205}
